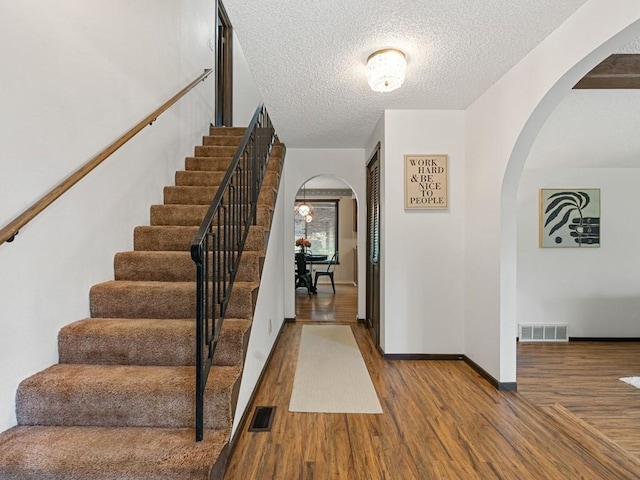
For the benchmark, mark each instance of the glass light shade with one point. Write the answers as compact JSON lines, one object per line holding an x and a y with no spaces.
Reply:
{"x":303,"y":209}
{"x":308,"y":218}
{"x":386,"y":70}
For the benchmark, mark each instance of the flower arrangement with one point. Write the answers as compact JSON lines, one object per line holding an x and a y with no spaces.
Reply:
{"x":303,"y":243}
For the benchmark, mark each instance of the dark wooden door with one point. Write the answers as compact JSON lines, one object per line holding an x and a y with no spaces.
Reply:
{"x":224,"y":69}
{"x":373,"y":245}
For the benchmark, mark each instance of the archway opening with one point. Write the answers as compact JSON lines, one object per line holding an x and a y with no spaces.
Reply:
{"x":325,"y":246}
{"x":511,"y":183}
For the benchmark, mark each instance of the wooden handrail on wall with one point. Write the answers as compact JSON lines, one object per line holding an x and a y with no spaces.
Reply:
{"x":8,"y":232}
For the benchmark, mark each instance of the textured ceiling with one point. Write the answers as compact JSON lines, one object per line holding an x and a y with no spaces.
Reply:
{"x":308,"y":57}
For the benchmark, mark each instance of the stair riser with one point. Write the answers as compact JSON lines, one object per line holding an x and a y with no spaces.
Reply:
{"x":228,"y":149}
{"x":192,"y":215}
{"x":127,"y":347}
{"x":147,"y":342}
{"x":193,"y":178}
{"x":207,"y":164}
{"x":110,"y":400}
{"x":177,"y":215}
{"x":204,"y":195}
{"x":227,"y":131}
{"x":221,"y":164}
{"x":180,"y":238}
{"x":233,"y":350}
{"x":173,"y":267}
{"x":215,"y":151}
{"x":198,"y":178}
{"x":267,"y":196}
{"x":79,"y":453}
{"x":154,"y":266}
{"x":222,"y":140}
{"x":160,"y":301}
{"x":277,"y":153}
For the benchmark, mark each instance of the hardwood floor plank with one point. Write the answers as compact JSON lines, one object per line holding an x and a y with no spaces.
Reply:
{"x":584,"y":377}
{"x":440,"y":420}
{"x":327,"y":306}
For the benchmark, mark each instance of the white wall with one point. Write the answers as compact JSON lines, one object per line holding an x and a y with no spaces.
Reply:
{"x":596,"y":291}
{"x":347,"y":243}
{"x":77,"y":75}
{"x":423,"y":250}
{"x":269,"y":313}
{"x":246,"y":97}
{"x":500,"y":129}
{"x":300,"y":166}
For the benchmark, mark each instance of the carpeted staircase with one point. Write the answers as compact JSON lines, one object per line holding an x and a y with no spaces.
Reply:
{"x":120,"y":404}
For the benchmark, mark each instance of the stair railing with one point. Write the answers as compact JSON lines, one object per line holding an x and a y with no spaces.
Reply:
{"x":9,"y":231}
{"x":218,"y":245}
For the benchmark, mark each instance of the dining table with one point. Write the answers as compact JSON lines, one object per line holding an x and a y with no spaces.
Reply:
{"x":310,"y":259}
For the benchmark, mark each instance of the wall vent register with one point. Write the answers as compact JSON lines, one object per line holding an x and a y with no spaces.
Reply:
{"x":543,"y":333}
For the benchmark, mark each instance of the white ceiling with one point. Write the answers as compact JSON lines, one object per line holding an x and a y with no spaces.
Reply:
{"x":590,"y":129}
{"x":308,"y":57}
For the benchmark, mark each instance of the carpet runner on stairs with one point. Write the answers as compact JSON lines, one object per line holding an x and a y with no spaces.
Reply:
{"x":120,"y":402}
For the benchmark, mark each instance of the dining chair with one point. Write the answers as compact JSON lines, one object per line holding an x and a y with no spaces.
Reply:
{"x":303,"y":274}
{"x":328,"y":272}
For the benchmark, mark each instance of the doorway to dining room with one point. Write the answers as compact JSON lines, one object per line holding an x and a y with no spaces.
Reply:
{"x":325,"y":230}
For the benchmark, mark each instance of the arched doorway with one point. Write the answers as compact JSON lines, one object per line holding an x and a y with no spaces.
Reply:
{"x":620,"y":32}
{"x":500,"y":128}
{"x":325,"y":230}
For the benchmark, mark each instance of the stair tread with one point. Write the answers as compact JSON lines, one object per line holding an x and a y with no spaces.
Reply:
{"x":126,"y":377}
{"x":199,"y":195}
{"x":133,"y":341}
{"x":154,"y":299}
{"x":181,"y":228}
{"x":180,"y":237}
{"x":215,"y":150}
{"x":199,"y":178}
{"x":104,"y":453}
{"x":174,"y":266}
{"x":177,"y":214}
{"x":178,"y":254}
{"x":196,"y":188}
{"x":213,"y":178}
{"x":221,"y":163}
{"x":227,"y":130}
{"x":222,"y":140}
{"x":123,"y":395}
{"x":153,"y":284}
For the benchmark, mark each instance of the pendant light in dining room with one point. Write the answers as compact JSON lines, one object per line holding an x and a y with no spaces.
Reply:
{"x":303,"y":208}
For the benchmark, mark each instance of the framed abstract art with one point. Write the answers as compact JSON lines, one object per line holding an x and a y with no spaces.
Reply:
{"x":569,"y":217}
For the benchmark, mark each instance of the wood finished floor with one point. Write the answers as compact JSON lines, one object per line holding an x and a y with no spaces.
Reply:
{"x":441,"y":420}
{"x":583,"y":377}
{"x":327,"y":306}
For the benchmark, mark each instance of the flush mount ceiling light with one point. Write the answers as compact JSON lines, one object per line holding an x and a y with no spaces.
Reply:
{"x":386,"y":69}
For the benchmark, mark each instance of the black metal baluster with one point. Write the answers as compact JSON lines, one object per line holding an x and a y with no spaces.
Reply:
{"x":217,"y":247}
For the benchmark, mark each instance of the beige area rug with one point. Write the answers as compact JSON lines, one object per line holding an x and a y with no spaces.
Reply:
{"x":331,"y":376}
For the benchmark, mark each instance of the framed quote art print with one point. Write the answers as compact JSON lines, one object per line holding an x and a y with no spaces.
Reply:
{"x":425,"y":181}
{"x":570,"y":217}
